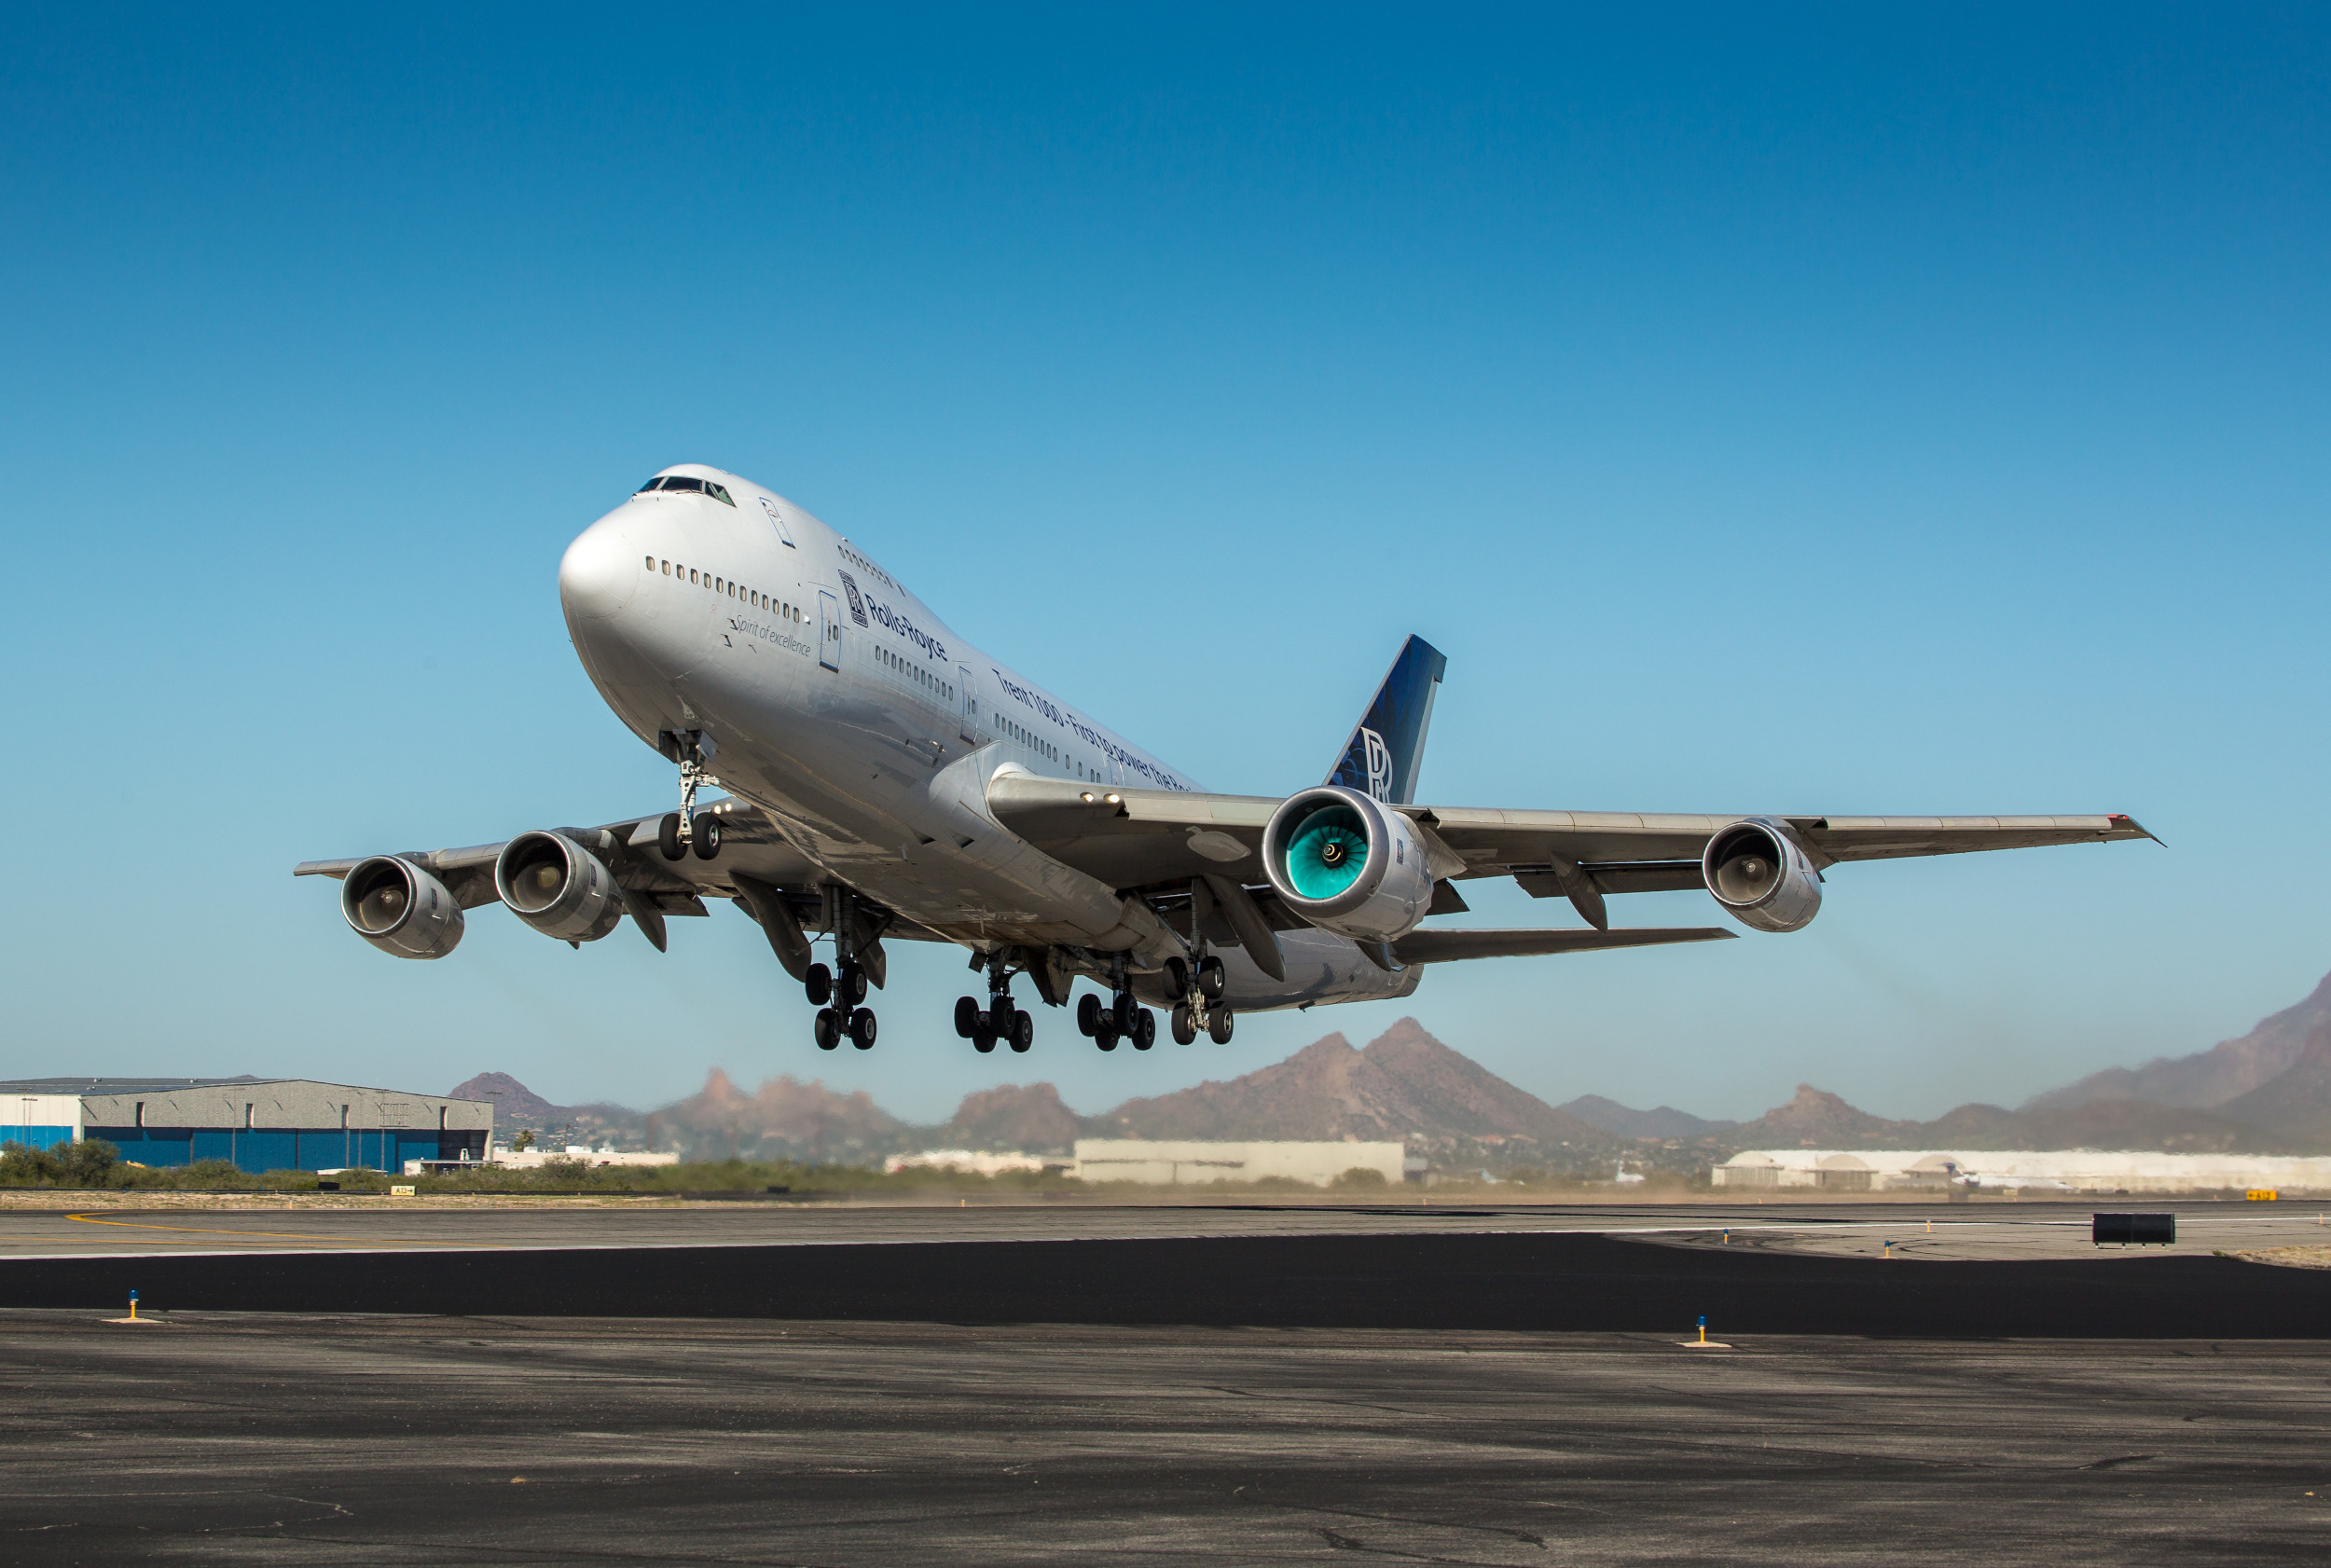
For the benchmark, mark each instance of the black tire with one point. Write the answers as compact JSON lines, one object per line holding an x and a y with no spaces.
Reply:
{"x":704,"y":835}
{"x":1217,"y":1025}
{"x":1122,"y":1012}
{"x":668,"y":837}
{"x":983,"y":1039}
{"x":1213,"y":979}
{"x":1185,"y":1027}
{"x":828,"y":1028}
{"x":819,"y":984}
{"x":1023,"y":1031}
{"x":967,"y":1022}
{"x":1176,"y":979}
{"x":1144,"y":1029}
{"x":1000,"y":1011}
{"x":853,"y":985}
{"x":1106,"y":1037}
{"x":862,"y":1028}
{"x":1088,"y":1014}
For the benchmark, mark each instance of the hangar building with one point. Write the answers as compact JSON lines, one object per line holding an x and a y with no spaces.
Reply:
{"x":259,"y":1124}
{"x":1175,"y":1163}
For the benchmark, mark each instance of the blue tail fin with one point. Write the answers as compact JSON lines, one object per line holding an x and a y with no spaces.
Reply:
{"x":1380,"y":759}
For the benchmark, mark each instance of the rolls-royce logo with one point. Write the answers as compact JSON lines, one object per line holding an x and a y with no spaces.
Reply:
{"x":857,"y":605}
{"x":1379,"y":765}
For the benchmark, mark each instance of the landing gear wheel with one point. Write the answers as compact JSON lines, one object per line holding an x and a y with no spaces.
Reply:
{"x":999,"y":1016}
{"x":853,"y":985}
{"x":1123,"y":1011}
{"x":704,"y":835}
{"x":983,"y":1039}
{"x":1144,"y":1029}
{"x":1023,"y":1031}
{"x":1218,"y":1025}
{"x":1185,"y":1027}
{"x":1213,"y":979}
{"x":1176,"y":977}
{"x":819,"y":983}
{"x":862,"y":1028}
{"x":968,"y":1022}
{"x":1088,"y":1014}
{"x":828,"y":1028}
{"x":1106,"y":1037}
{"x":668,"y":837}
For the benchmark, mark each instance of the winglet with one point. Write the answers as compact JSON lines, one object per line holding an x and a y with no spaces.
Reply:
{"x":2123,"y":819}
{"x":1388,"y":745}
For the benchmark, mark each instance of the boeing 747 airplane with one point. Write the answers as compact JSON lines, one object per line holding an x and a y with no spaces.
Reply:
{"x":885,"y":781}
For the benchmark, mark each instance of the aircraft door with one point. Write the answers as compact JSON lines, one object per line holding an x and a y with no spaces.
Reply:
{"x":966,"y":705}
{"x":829,"y":631}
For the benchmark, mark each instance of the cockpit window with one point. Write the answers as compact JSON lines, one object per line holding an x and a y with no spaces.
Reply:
{"x":683,"y":482}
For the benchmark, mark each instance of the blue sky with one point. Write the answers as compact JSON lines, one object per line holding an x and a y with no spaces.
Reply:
{"x":1823,"y":410}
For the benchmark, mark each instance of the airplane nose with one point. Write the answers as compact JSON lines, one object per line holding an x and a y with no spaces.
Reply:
{"x":598,"y":574}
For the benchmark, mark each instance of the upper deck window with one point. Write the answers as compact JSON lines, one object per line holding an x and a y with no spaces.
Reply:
{"x":684,"y":482}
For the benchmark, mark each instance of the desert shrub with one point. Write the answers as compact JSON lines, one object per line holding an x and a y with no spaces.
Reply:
{"x":23,"y":1165}
{"x":1360,"y":1177}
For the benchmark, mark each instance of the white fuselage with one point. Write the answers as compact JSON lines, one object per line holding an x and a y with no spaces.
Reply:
{"x":840,"y":704}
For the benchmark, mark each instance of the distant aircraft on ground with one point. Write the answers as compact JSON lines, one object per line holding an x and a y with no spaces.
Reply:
{"x":887,"y":781}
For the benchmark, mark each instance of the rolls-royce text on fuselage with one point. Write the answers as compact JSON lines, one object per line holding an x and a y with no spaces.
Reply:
{"x":884,"y":781}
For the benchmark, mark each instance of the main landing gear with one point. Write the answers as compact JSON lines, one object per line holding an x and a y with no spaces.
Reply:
{"x":999,"y":1020}
{"x":690,"y":830}
{"x":847,"y":1015}
{"x":1120,"y":1018}
{"x":1201,"y":1005}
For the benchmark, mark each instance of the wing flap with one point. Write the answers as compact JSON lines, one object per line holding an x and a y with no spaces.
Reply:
{"x":1443,"y":947}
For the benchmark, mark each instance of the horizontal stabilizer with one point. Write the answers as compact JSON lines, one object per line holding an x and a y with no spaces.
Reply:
{"x":1443,"y":947}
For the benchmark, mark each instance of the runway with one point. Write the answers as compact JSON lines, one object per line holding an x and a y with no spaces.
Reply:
{"x":227,"y":1438}
{"x":1994,"y":1231}
{"x":1537,"y":1271}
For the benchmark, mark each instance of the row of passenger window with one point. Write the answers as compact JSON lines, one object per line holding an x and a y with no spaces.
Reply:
{"x":1028,"y":739}
{"x":721,"y":585}
{"x":681,"y":482}
{"x":943,"y":690}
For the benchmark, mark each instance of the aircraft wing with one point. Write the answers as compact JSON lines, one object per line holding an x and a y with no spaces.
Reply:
{"x":1133,"y":838}
{"x":653,"y":886}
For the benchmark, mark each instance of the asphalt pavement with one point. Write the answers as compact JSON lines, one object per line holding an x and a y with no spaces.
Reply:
{"x":361,"y":1440}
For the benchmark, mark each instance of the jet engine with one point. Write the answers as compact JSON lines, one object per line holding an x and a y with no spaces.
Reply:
{"x":400,"y":908}
{"x":1761,"y":876}
{"x":1347,"y":864}
{"x":558,"y":887}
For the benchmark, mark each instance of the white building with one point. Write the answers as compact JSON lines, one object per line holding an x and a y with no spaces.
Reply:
{"x":581,"y":1153}
{"x":976,"y":1161}
{"x":2072,"y":1170}
{"x":1181,"y":1165}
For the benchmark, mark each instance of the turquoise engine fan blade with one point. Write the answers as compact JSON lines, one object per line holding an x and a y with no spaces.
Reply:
{"x":1327,"y":852}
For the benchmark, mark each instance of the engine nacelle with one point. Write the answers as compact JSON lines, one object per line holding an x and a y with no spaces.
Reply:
{"x":558,"y":887}
{"x":400,"y":908}
{"x":1348,"y":865}
{"x":1762,"y":877}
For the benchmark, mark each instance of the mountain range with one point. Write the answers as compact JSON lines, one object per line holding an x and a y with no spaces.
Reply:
{"x":2267,"y":1090}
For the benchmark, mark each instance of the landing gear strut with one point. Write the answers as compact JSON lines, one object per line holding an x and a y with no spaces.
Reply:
{"x":689,"y":829}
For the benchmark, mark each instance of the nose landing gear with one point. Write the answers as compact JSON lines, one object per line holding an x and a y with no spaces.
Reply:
{"x":689,"y":830}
